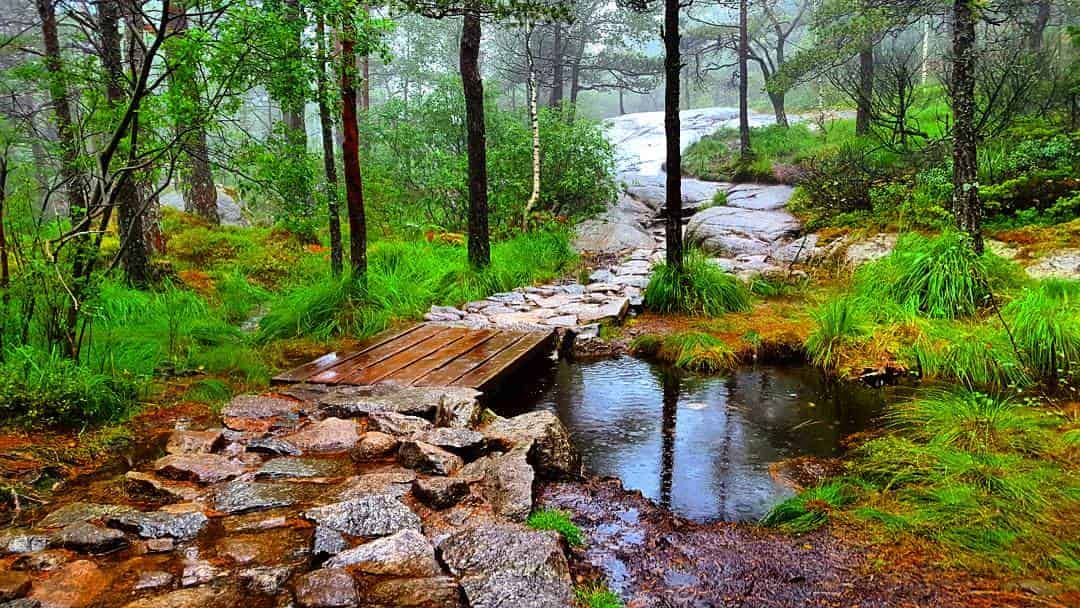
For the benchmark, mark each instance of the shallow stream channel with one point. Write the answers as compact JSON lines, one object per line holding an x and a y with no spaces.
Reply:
{"x":701,"y":446}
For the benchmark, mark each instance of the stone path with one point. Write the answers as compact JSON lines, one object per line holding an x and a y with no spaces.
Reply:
{"x":750,"y":236}
{"x":317,"y":498}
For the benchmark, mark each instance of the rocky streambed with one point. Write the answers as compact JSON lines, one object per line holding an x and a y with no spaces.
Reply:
{"x":314,"y":498}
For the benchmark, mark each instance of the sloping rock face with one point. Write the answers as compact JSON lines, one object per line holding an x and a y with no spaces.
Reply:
{"x":736,"y":231}
{"x":610,"y":235}
{"x":1063,"y":264}
{"x":509,"y":565}
{"x":546,"y":439}
{"x":367,"y":516}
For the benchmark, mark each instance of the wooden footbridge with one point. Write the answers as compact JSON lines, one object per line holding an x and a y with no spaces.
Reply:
{"x":427,"y":355}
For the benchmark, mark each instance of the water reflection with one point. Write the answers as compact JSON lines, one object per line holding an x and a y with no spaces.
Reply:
{"x":699,"y":445}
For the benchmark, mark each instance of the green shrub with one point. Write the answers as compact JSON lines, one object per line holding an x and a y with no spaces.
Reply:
{"x":44,"y":388}
{"x":1045,"y":322}
{"x":333,"y":306}
{"x":838,"y":323}
{"x":559,"y":521}
{"x":701,"y":288}
{"x":940,"y":277}
{"x":973,"y":422}
{"x":809,"y":510}
{"x":974,"y":355}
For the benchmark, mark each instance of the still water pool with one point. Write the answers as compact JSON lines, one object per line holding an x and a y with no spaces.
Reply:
{"x":699,"y":445}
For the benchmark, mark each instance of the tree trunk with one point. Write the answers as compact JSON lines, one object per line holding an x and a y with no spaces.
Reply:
{"x":1038,"y":26}
{"x":200,"y":195}
{"x":575,"y":76}
{"x":58,"y":95}
{"x":779,"y":110}
{"x":966,"y":204}
{"x":133,"y":255}
{"x":326,"y":125}
{"x":479,"y":245}
{"x":744,"y":106}
{"x":292,"y":110}
{"x":672,"y":67}
{"x":622,"y":106}
{"x":924,"y":69}
{"x":556,"y":68}
{"x":350,"y":153}
{"x":866,"y":89}
{"x":153,"y":239}
{"x":534,"y":123}
{"x":5,"y":269}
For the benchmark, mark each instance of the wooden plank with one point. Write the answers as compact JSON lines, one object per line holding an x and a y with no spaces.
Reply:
{"x":305,"y":371}
{"x":506,"y":360}
{"x":447,"y":374}
{"x":433,"y":361}
{"x":372,"y":356}
{"x":434,"y":344}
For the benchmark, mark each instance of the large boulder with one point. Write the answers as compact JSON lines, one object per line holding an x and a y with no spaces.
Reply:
{"x":505,"y":482}
{"x":427,"y":458}
{"x":367,"y":516}
{"x":76,"y":512}
{"x":509,"y":565}
{"x":329,"y":435}
{"x":735,"y":231}
{"x":546,"y":439}
{"x":407,"y":553}
{"x":229,"y":211}
{"x":354,"y":401}
{"x":1062,"y":264}
{"x":602,"y":236}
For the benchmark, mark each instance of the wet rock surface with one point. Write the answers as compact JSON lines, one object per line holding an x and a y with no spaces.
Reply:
{"x":652,"y":558}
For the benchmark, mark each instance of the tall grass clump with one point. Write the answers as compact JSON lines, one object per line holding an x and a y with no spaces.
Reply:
{"x":597,"y":595}
{"x":701,"y":288}
{"x":43,"y":388}
{"x":694,"y":351}
{"x":332,"y":306}
{"x":980,"y":475}
{"x":1045,"y":322}
{"x":938,"y":277}
{"x":559,"y":521}
{"x":838,"y":324}
{"x":975,"y":355}
{"x":809,"y":510}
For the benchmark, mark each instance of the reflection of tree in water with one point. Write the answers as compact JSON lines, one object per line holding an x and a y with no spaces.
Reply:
{"x":669,"y":415}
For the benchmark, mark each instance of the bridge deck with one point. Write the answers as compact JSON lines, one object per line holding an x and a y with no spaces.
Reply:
{"x":427,"y":355}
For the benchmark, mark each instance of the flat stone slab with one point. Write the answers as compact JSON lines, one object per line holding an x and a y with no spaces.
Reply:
{"x":245,"y":496}
{"x":201,"y":468}
{"x":366,"y":516}
{"x":179,"y":523}
{"x":329,"y":435}
{"x":406,"y":554}
{"x":299,"y":467}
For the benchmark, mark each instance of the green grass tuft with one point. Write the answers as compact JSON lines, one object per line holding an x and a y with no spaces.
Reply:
{"x":838,"y":323}
{"x":695,"y":351}
{"x":809,"y":510}
{"x":597,"y":595}
{"x":939,"y":277}
{"x":1045,"y":322}
{"x":702,"y":288}
{"x":559,"y":521}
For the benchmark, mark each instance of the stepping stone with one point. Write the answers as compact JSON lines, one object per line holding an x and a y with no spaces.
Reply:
{"x":182,"y":522}
{"x":427,"y":458}
{"x":201,"y":468}
{"x":296,"y":467}
{"x":194,"y":442}
{"x":329,"y":435}
{"x":245,"y":496}
{"x":326,"y":588}
{"x":85,"y":537}
{"x":406,"y":554}
{"x":367,"y":516}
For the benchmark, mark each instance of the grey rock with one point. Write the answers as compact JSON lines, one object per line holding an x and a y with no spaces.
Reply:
{"x":355,"y":401}
{"x":77,"y":512}
{"x":328,"y":435}
{"x":869,"y":250}
{"x":259,"y":406}
{"x":441,"y":492}
{"x":549,"y":447}
{"x":244,"y":496}
{"x":209,"y":596}
{"x":85,"y":537}
{"x":1061,"y":264}
{"x":509,"y":565}
{"x":326,"y":588}
{"x":201,"y":468}
{"x":374,"y":445}
{"x":602,"y":276}
{"x":274,"y":446}
{"x":434,"y":592}
{"x":294,"y":467}
{"x":460,"y":441}
{"x":398,"y":425}
{"x":194,"y":442}
{"x":373,"y":515}
{"x":599,"y":236}
{"x":506,"y":482}
{"x":407,"y":554}
{"x":458,"y":407}
{"x":143,"y":484}
{"x":181,"y":525}
{"x":428,"y":458}
{"x":229,"y":211}
{"x":153,"y":579}
{"x":392,"y":482}
{"x":734,"y":231}
{"x":21,"y":541}
{"x":761,"y":198}
{"x":327,"y":541}
{"x":266,"y":580}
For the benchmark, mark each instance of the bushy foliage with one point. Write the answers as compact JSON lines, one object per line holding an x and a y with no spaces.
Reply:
{"x":415,"y":168}
{"x":715,"y":157}
{"x":44,"y":388}
{"x":1045,"y":322}
{"x":700,"y":288}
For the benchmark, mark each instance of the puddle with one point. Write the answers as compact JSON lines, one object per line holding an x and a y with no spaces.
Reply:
{"x":700,"y":446}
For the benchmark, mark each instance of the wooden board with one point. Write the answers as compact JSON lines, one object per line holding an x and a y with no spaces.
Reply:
{"x":427,"y":355}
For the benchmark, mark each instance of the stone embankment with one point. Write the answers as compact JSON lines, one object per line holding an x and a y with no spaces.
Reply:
{"x":315,"y":498}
